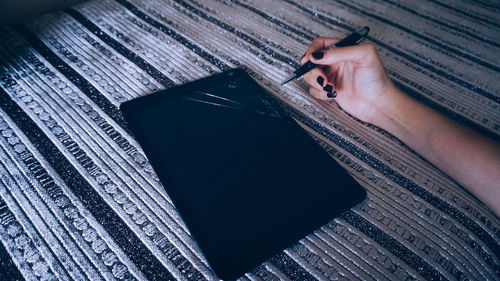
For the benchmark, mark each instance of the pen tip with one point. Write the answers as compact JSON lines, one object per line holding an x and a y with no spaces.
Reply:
{"x":290,"y":78}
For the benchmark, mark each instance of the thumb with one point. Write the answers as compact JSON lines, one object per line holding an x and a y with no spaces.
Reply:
{"x":362,"y":54}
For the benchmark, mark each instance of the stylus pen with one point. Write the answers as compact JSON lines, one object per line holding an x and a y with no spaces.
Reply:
{"x":352,"y":39}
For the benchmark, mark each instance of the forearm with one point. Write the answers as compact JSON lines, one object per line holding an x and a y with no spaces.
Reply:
{"x":470,"y":158}
{"x":15,"y":11}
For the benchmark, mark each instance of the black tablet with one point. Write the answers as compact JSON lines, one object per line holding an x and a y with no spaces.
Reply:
{"x":247,"y":180}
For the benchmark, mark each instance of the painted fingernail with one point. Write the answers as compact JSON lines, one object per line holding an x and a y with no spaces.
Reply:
{"x":320,"y":80}
{"x":330,"y":95}
{"x":328,"y":89}
{"x":317,"y":55}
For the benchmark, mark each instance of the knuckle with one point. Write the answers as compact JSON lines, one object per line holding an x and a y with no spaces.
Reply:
{"x":329,"y":53}
{"x":318,"y":39}
{"x":370,"y":47}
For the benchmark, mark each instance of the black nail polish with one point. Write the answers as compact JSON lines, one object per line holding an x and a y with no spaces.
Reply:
{"x":320,"y":80}
{"x":317,"y":55}
{"x":330,"y":95}
{"x":334,"y":94}
{"x":328,"y":89}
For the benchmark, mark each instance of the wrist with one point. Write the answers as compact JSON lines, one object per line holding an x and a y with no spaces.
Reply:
{"x":387,"y":108}
{"x":405,"y":118}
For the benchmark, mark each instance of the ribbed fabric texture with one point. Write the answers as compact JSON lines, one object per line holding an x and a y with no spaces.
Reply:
{"x":79,"y":200}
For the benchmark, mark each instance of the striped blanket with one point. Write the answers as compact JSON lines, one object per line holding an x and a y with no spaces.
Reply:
{"x":79,"y":200}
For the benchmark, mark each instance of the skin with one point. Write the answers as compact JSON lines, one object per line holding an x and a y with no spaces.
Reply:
{"x":365,"y":91}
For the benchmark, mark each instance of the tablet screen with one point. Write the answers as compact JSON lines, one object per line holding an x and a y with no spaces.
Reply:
{"x":246,"y":179}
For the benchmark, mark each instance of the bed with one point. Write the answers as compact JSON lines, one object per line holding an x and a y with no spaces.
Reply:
{"x":80,"y":201}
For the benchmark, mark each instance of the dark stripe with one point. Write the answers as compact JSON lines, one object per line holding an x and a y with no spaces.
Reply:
{"x":273,"y":20}
{"x":392,"y":245}
{"x":281,"y":261}
{"x":151,"y":70}
{"x":489,"y":260}
{"x":423,"y":37}
{"x":39,"y":172}
{"x":429,"y":67}
{"x":75,"y":78}
{"x":131,"y":245}
{"x":401,"y":180}
{"x":446,"y":111}
{"x":295,"y":272}
{"x":47,"y":183}
{"x":285,"y":264}
{"x":99,"y":121}
{"x":438,"y":203}
{"x":412,"y":59}
{"x":485,"y":4}
{"x":461,"y":11}
{"x":423,"y":193}
{"x":292,"y":269}
{"x":37,"y":232}
{"x":179,"y":38}
{"x":399,"y":250}
{"x":471,"y":34}
{"x":240,"y":34}
{"x":457,"y":117}
{"x":172,"y":253}
{"x":8,"y":269}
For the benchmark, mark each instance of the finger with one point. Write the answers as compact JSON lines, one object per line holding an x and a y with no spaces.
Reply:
{"x":304,"y":59}
{"x":330,"y":91}
{"x":316,"y":78}
{"x":320,"y":94}
{"x":361,"y":54}
{"x":320,"y":43}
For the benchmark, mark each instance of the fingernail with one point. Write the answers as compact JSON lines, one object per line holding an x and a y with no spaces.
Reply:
{"x":328,"y":89}
{"x":320,"y":80}
{"x":317,"y":55}
{"x":330,"y":95}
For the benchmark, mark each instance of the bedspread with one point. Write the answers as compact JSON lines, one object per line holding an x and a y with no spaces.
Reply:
{"x":79,"y":200}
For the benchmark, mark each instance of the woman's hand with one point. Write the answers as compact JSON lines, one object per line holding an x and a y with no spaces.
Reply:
{"x":364,"y":90}
{"x":354,"y":76}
